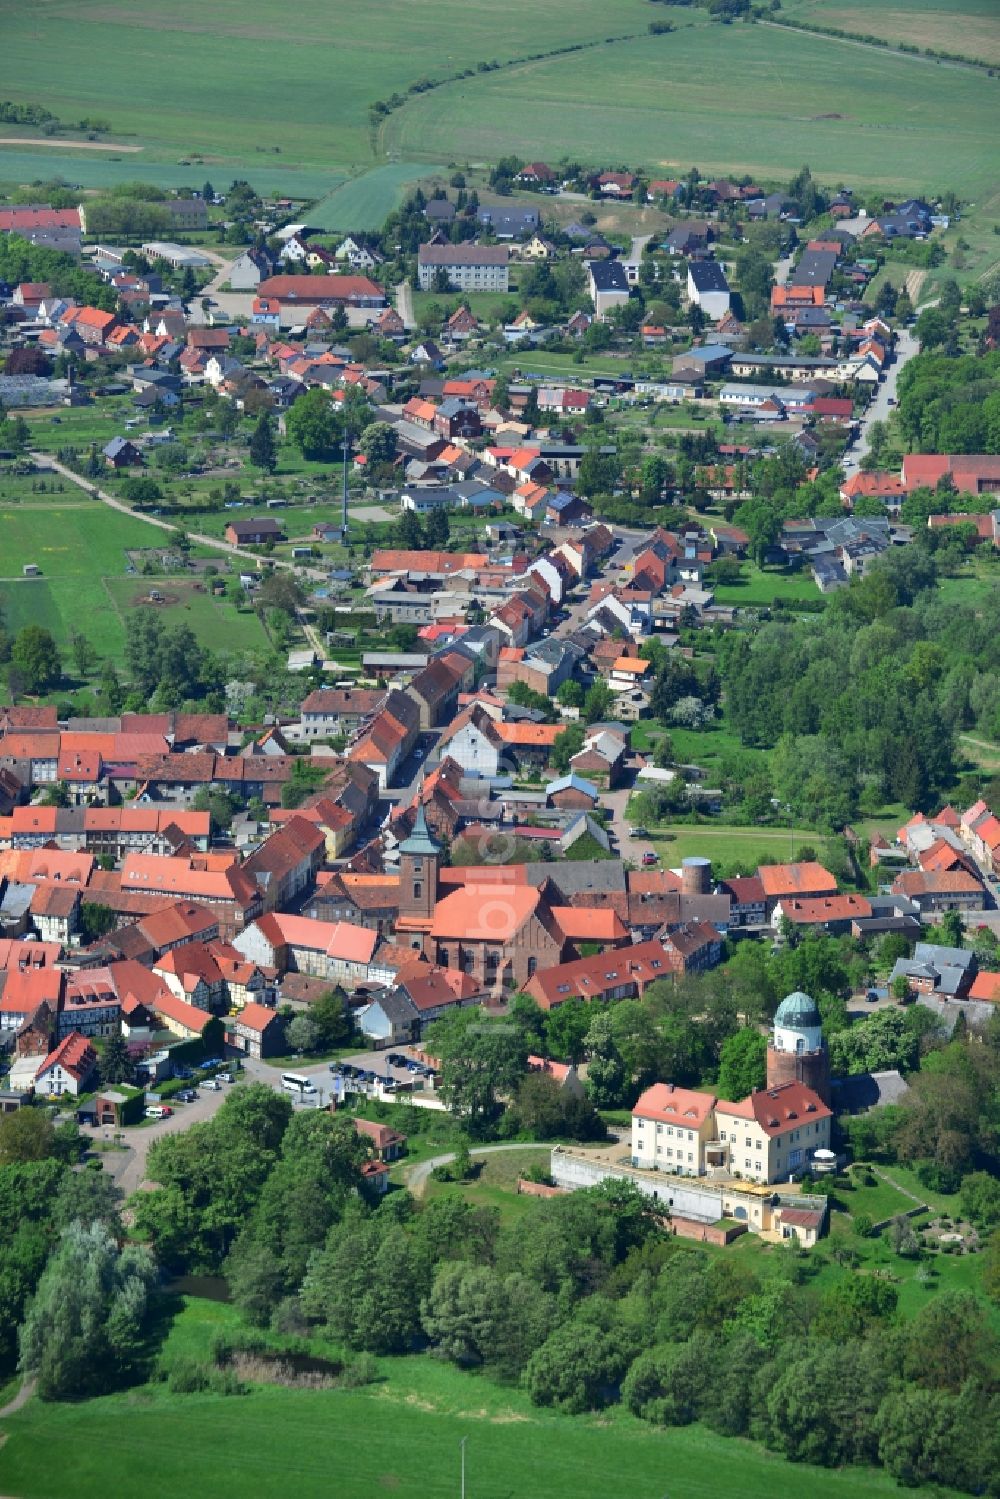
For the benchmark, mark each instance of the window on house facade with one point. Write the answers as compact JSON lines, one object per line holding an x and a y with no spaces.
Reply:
{"x":418,"y":890}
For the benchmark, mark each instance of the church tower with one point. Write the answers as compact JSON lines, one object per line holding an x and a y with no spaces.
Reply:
{"x":419,"y":857}
{"x":797,"y":1051}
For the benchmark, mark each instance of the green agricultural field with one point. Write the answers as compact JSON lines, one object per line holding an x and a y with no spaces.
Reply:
{"x":365,"y":202}
{"x":968,"y":27}
{"x":754,"y":99}
{"x":400,"y":1435}
{"x":256,"y":85}
{"x":81,"y":547}
{"x":98,"y":170}
{"x":214,"y":89}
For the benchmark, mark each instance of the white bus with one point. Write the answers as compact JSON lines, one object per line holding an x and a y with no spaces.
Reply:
{"x":296,"y":1084}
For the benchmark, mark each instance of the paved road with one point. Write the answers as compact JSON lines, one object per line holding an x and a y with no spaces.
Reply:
{"x":782,"y":268}
{"x":880,"y":409}
{"x":128,"y":1167}
{"x":404,"y":304}
{"x":416,"y":1177}
{"x":45,"y":460}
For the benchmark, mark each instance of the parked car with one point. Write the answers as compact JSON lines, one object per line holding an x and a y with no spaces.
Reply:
{"x":225,"y":1077}
{"x":158,"y":1111}
{"x":639,"y":833}
{"x":649,"y":857}
{"x":213,"y":1083}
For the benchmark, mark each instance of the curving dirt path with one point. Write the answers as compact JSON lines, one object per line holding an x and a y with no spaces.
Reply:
{"x":30,"y":140}
{"x":45,"y":460}
{"x":21,"y":1399}
{"x":416,"y":1177}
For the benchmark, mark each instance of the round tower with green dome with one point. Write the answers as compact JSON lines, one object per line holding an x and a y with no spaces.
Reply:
{"x":797,"y":1051}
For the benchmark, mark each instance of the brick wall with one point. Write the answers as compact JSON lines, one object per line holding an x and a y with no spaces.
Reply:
{"x":705,"y":1233}
{"x":539,"y":1189}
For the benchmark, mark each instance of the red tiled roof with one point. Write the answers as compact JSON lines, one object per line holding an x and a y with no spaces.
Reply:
{"x":74,"y":1054}
{"x":823,"y":908}
{"x":188,"y":1016}
{"x":685,"y":1106}
{"x":792,"y":879}
{"x":587,"y":978}
{"x":778,"y":1110}
{"x":319,"y":289}
{"x":256,"y":1017}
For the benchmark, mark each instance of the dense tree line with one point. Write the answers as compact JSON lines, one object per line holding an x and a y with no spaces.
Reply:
{"x":22,"y":261}
{"x":167,"y":667}
{"x":862,"y":705}
{"x":74,"y":1302}
{"x":951,"y":405}
{"x":948,"y":1125}
{"x":586,"y":1302}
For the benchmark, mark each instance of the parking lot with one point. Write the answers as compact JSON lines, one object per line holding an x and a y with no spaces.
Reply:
{"x":373,"y":1073}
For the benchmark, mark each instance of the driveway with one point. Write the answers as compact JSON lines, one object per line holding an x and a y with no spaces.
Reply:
{"x":404,"y":304}
{"x":880,"y":409}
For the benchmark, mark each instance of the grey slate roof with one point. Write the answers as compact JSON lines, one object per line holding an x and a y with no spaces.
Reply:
{"x":708,"y":275}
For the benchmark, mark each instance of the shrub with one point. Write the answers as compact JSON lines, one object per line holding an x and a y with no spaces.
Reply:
{"x":360,"y":1370}
{"x":188,"y":1376}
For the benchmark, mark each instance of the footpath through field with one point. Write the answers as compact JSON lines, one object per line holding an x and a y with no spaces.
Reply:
{"x":45,"y":460}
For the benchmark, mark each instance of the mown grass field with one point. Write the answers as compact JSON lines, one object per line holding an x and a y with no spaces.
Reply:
{"x":216,"y":622}
{"x":754,"y":99}
{"x":729,"y":846}
{"x":77,"y":544}
{"x":761,"y":586}
{"x":81,"y":547}
{"x":400,"y":1435}
{"x":968,"y":27}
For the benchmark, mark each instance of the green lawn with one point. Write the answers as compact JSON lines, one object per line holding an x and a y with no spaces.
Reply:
{"x":77,"y":543}
{"x":495,"y":1185}
{"x":880,"y":1201}
{"x":707,"y":747}
{"x":400,"y":1435}
{"x":730,"y":846}
{"x":215,"y":621}
{"x":528,"y":361}
{"x":761,"y":586}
